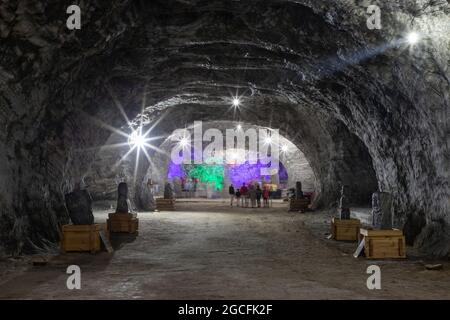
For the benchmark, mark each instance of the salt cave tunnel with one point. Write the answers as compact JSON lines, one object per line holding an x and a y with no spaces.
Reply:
{"x":365,"y":107}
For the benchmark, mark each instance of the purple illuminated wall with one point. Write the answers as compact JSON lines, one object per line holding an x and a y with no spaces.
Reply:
{"x":246,"y":173}
{"x":175,"y":171}
{"x":237,"y":174}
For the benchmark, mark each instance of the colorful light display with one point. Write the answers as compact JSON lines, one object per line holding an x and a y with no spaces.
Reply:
{"x":175,"y":171}
{"x":213,"y":174}
{"x":246,"y":173}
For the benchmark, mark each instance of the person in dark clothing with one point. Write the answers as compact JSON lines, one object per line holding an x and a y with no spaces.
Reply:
{"x":244,"y":194}
{"x":252,"y":195}
{"x":232,"y":194}
{"x":238,"y":197}
{"x":265,"y":195}
{"x":258,"y":195}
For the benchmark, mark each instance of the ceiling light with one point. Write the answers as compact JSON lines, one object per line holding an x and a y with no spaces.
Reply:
{"x":413,"y":38}
{"x":136,"y":139}
{"x":184,"y":142}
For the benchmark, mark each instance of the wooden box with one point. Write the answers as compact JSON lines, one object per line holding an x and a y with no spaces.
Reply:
{"x":299,"y":204}
{"x":383,"y":244}
{"x":122,"y":222}
{"x":82,"y":237}
{"x":165,"y":204}
{"x":345,"y":230}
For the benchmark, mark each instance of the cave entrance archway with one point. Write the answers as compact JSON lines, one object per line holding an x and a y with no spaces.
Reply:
{"x":349,"y":97}
{"x":293,"y":165}
{"x":350,"y":165}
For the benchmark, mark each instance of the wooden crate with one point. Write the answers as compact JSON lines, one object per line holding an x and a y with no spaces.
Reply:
{"x":299,"y":204}
{"x":122,"y":222}
{"x":82,"y":237}
{"x":345,"y":230}
{"x":165,"y":204}
{"x":383,"y":244}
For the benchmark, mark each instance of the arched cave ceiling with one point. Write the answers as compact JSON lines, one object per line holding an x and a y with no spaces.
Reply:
{"x":116,"y":162}
{"x":310,"y":68}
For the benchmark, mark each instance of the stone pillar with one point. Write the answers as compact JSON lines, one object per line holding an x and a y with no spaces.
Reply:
{"x":168,"y":191}
{"x":123,"y":203}
{"x":382,"y":215}
{"x":146,"y":199}
{"x":344,"y":203}
{"x":79,"y":206}
{"x":298,"y":190}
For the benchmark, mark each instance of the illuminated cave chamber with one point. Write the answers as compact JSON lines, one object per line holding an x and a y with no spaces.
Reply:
{"x":210,"y":179}
{"x":364,"y":109}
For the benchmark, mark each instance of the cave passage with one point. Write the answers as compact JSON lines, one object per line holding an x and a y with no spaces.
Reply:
{"x":147,"y":95}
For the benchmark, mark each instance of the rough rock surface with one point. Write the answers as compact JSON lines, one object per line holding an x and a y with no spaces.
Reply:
{"x":350,"y":98}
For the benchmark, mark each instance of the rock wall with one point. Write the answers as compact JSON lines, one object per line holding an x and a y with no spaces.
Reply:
{"x":359,"y":103}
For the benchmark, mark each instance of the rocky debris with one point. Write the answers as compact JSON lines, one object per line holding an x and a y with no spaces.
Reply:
{"x":40,"y":261}
{"x":434,"y":266}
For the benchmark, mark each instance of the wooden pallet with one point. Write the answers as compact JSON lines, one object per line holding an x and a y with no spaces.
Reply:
{"x":82,"y":238}
{"x":165,"y":204}
{"x":345,"y":230}
{"x":122,"y":223}
{"x":299,"y":205}
{"x":383,"y":244}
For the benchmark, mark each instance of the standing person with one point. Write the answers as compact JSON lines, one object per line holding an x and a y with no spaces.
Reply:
{"x":188,"y":186}
{"x":244,"y":194}
{"x":238,"y":197}
{"x":232,"y":194}
{"x":252,"y":195}
{"x":258,"y":195}
{"x":265,"y":195}
{"x":195,"y":180}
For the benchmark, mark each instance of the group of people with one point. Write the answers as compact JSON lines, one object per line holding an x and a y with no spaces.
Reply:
{"x":250,"y":195}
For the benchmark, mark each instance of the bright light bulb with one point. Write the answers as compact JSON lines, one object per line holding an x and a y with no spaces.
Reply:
{"x":239,"y":127}
{"x":236,"y":102}
{"x":285,"y":148}
{"x":268,"y":140}
{"x":413,"y":38}
{"x":184,"y":142}
{"x":137,"y":140}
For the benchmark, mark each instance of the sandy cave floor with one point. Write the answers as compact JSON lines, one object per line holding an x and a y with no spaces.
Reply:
{"x":207,"y":250}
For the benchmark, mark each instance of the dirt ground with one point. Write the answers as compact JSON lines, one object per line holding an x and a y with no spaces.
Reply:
{"x":211,"y":251}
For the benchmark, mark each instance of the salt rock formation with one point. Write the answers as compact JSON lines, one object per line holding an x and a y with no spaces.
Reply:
{"x":364,"y":106}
